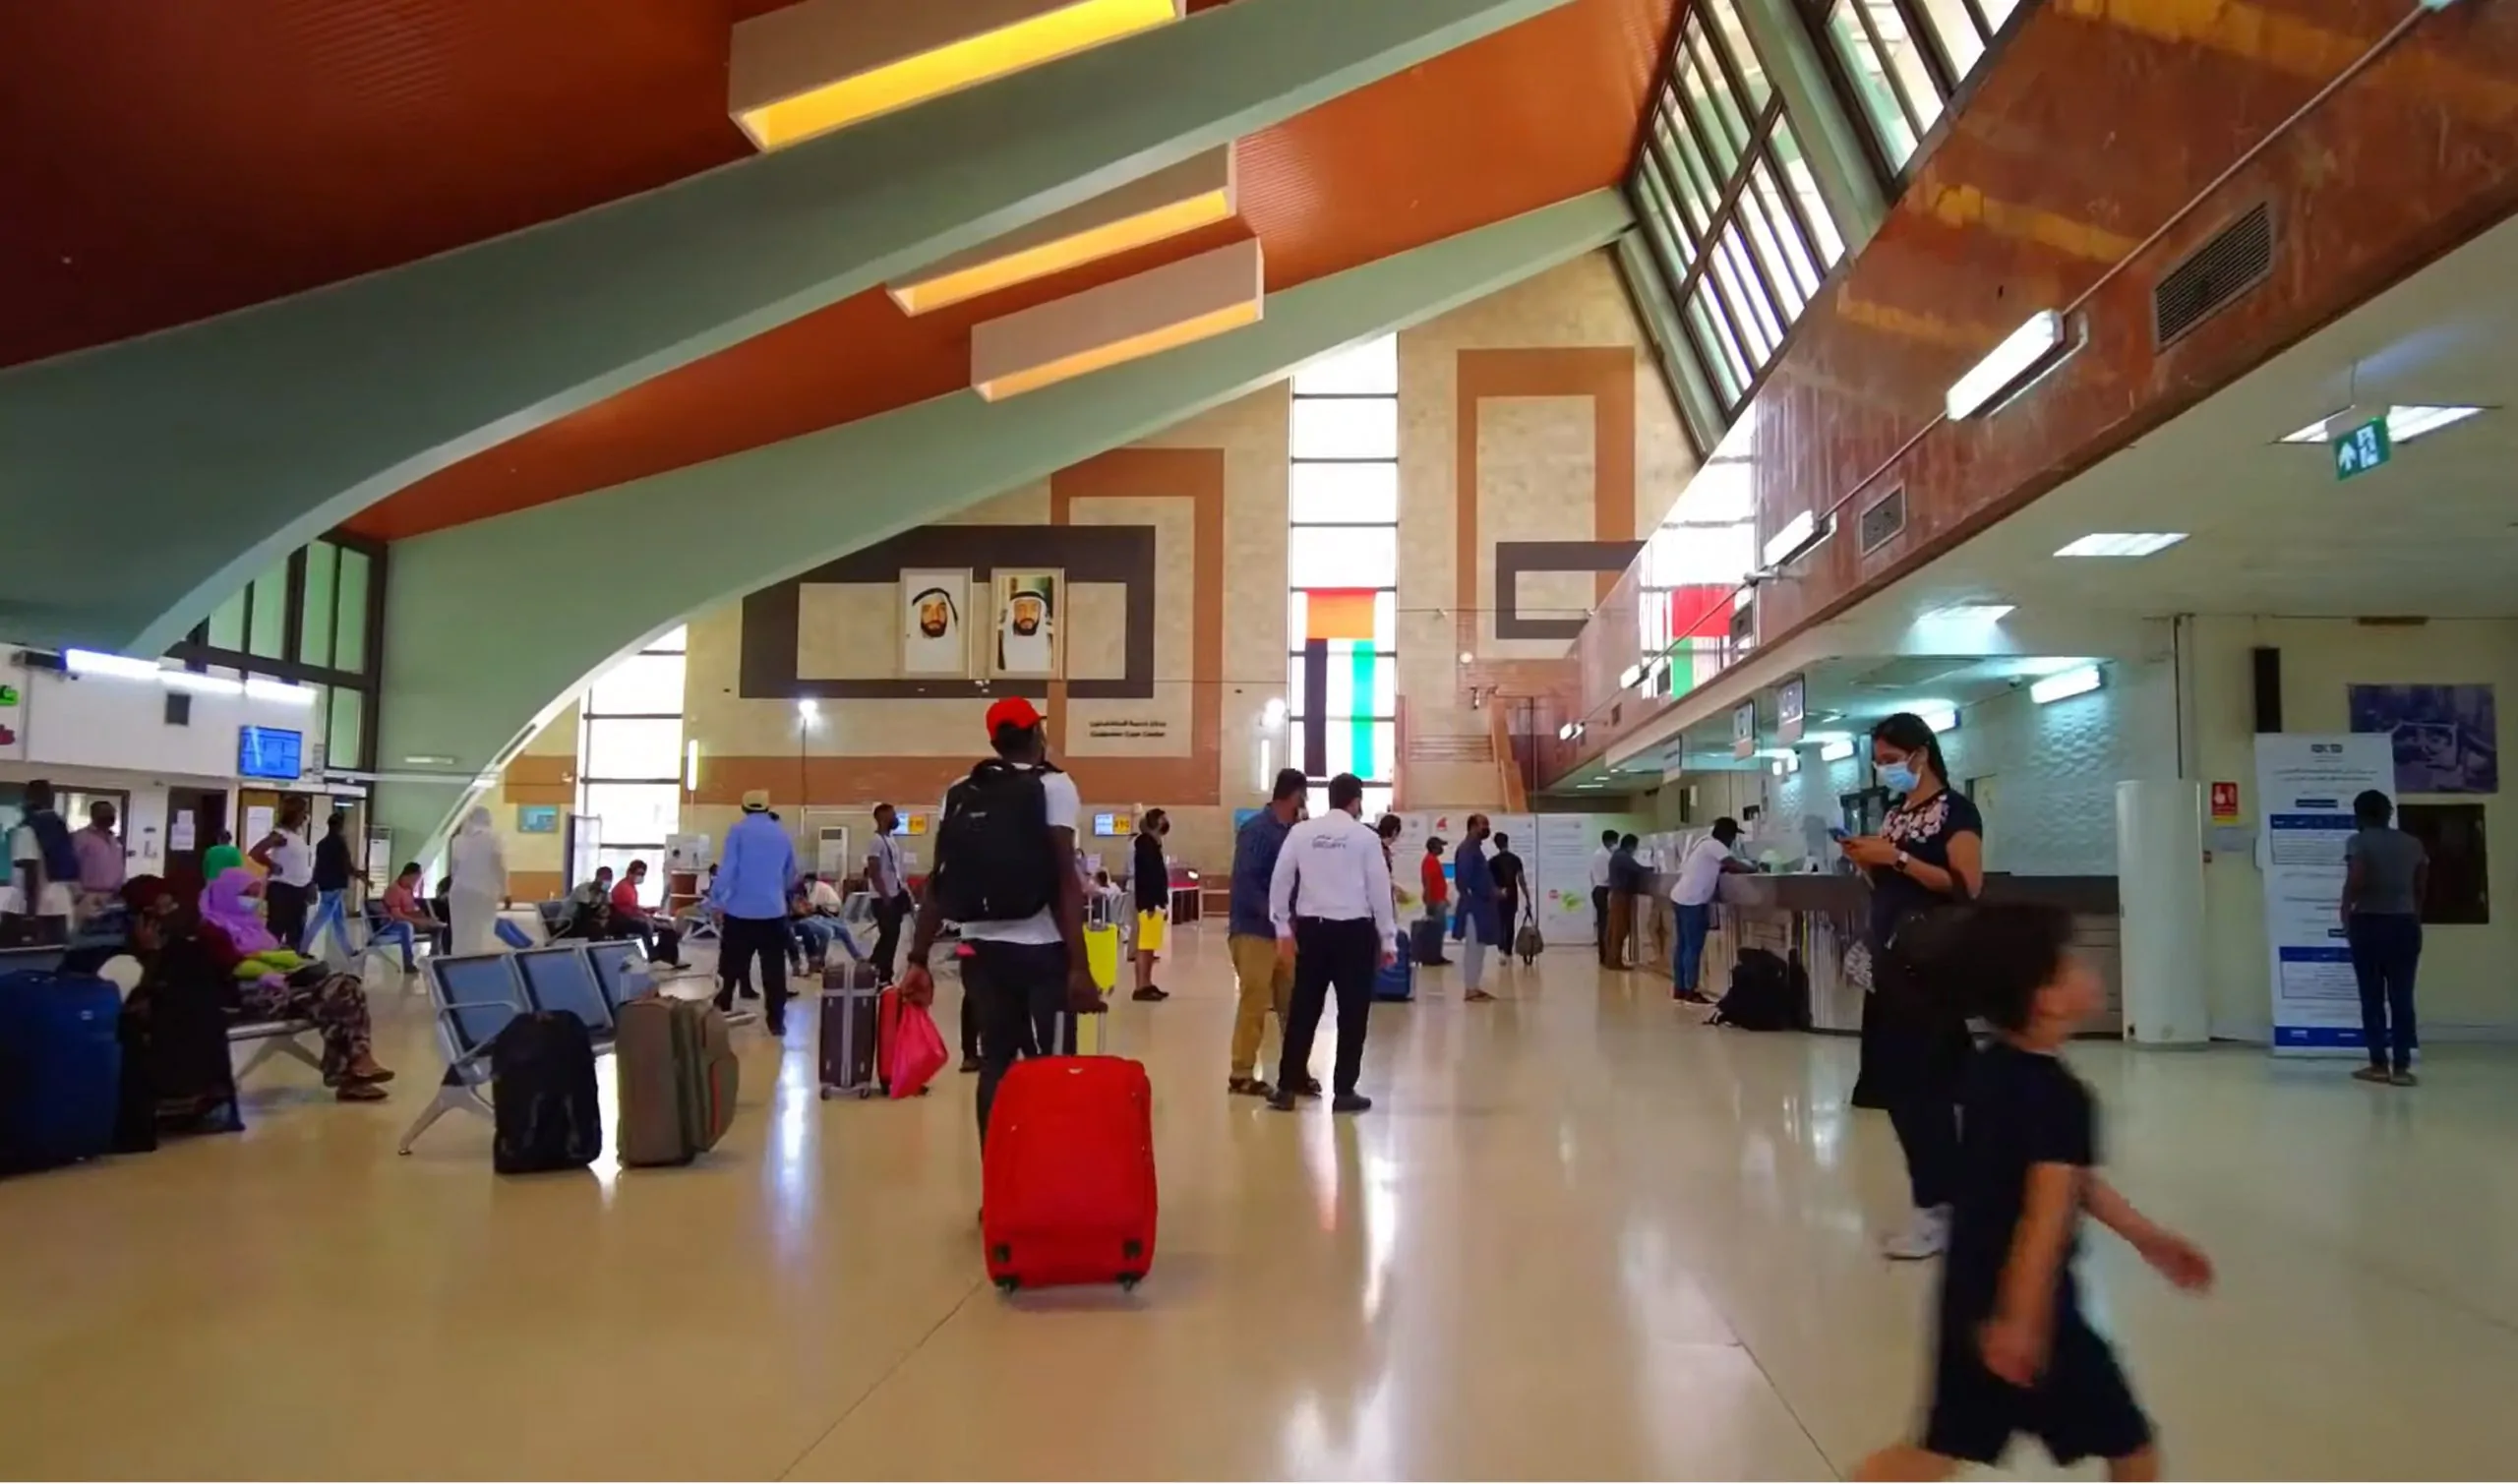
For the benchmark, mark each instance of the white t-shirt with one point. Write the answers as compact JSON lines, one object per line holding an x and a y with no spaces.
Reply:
{"x":292,"y":860}
{"x":1600,"y":866}
{"x":58,"y":895}
{"x":1700,"y":873}
{"x":825,"y":895}
{"x":1057,"y":792}
{"x":885,"y":882}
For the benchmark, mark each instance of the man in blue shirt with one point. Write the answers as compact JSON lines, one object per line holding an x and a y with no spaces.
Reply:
{"x":1266,"y":981}
{"x":750,"y":893}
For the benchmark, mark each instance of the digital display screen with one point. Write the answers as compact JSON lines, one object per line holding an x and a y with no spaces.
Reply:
{"x":1102,"y":825}
{"x":269,"y":751}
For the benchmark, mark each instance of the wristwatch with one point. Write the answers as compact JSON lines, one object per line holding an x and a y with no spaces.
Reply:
{"x":1903,"y":860}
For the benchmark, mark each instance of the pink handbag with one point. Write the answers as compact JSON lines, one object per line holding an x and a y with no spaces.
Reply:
{"x":918,"y":1052}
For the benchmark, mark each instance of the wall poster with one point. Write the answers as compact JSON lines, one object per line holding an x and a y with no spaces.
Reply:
{"x":935,"y":636}
{"x":1030,"y":634}
{"x":2446,"y":739}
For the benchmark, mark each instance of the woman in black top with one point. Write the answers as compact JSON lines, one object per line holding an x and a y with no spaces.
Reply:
{"x":1150,"y":876}
{"x":1929,"y":854}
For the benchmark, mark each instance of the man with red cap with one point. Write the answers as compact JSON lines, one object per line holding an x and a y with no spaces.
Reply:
{"x":1005,"y":872}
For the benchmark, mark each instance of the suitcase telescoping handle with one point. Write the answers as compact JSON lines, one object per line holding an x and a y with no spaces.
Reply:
{"x":1069,"y":1031}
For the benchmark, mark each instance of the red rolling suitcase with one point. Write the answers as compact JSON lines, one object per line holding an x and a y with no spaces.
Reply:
{"x":1068,"y":1179}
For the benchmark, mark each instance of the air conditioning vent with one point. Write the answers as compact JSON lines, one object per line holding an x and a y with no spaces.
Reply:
{"x":2238,"y":259}
{"x":1883,"y":519}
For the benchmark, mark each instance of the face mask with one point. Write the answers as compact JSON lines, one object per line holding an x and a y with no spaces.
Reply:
{"x":1899,"y":777}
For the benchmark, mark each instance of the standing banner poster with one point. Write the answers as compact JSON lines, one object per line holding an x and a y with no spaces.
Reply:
{"x":1562,"y":865}
{"x":2307,"y":784}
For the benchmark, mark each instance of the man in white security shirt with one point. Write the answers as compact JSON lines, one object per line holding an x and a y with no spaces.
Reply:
{"x":1328,"y":899}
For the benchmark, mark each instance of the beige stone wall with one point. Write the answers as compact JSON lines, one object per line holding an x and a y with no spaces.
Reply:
{"x":1189,"y":749}
{"x":1548,"y":362}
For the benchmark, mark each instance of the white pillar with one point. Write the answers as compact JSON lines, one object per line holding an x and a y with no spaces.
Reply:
{"x":2159,"y":889}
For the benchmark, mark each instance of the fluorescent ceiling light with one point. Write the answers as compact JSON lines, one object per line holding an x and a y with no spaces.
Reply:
{"x":2016,"y":356}
{"x":1195,"y":193}
{"x":1798,"y":535}
{"x":1943,"y":719}
{"x":1836,"y":751}
{"x":1972,"y":613}
{"x":2404,"y":423}
{"x":2065,"y":684}
{"x":1632,"y":674}
{"x":2121,"y":543}
{"x":92,"y":662}
{"x":1152,"y":312}
{"x":689,"y":764}
{"x":807,"y":69}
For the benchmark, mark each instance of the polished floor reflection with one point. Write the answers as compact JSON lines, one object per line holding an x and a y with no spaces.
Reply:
{"x":1582,"y":1236}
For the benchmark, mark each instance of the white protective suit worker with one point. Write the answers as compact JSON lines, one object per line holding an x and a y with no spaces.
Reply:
{"x":479,"y":869}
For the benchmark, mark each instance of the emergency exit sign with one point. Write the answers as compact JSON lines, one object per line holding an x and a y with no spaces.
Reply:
{"x":2362,"y":449}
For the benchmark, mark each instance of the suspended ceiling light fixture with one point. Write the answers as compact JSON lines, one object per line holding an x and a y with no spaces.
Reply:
{"x":1121,"y":321}
{"x":822,"y":65}
{"x":2023,"y":351}
{"x":2405,"y":423}
{"x":1197,"y":192}
{"x":1155,"y":311}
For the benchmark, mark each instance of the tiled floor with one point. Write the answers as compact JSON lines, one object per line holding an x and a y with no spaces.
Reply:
{"x":1580,"y":1237}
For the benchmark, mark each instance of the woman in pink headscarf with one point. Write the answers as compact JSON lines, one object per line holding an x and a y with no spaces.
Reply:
{"x":276,"y":983}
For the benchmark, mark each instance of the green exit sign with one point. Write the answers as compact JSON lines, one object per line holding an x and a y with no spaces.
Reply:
{"x":2362,"y":449}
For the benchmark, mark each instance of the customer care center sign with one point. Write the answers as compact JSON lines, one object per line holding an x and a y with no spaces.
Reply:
{"x":2307,"y":785}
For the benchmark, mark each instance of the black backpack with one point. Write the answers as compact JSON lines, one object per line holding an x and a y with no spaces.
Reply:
{"x":1763,"y":994}
{"x":993,"y":861}
{"x":543,"y":1093}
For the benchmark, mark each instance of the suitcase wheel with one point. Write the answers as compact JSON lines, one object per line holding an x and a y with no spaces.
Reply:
{"x":825,"y":1094}
{"x":1008,"y":1284}
{"x":864,"y":1093}
{"x":1129,"y":1281}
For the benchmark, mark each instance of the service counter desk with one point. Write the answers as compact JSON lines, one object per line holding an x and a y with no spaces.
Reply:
{"x":1813,"y":921}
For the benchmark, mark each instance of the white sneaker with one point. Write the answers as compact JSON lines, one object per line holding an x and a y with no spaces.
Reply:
{"x":1925,"y":1236}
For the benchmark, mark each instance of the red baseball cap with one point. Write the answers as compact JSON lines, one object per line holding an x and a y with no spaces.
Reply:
{"x":1014,"y":711}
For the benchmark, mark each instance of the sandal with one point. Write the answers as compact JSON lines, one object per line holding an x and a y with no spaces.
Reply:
{"x":1249,"y":1087}
{"x":360,"y":1092}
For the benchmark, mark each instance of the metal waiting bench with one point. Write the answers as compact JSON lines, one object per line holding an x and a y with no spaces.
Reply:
{"x":475,"y":995}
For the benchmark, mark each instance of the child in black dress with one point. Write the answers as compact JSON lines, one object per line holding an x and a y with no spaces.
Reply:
{"x":2016,"y":1353}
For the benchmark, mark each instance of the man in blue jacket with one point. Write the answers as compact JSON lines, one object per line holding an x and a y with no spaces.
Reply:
{"x":750,"y":891}
{"x":1266,"y":982}
{"x":1478,"y":922}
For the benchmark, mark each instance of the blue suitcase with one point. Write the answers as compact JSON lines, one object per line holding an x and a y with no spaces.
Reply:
{"x":60,"y":1068}
{"x":1396,"y":980}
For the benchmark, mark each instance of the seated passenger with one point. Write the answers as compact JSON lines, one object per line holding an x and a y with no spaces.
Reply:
{"x":268,"y":982}
{"x":404,"y":916}
{"x":589,"y":909}
{"x":630,"y":920}
{"x":174,"y":1019}
{"x":809,"y":931}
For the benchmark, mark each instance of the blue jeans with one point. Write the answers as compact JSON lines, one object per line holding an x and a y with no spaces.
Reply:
{"x":330,"y":912}
{"x":812,"y":935}
{"x":1687,"y":958}
{"x":2385,"y":947}
{"x":395,"y":931}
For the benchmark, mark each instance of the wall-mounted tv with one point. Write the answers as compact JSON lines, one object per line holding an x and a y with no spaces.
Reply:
{"x":269,"y":753}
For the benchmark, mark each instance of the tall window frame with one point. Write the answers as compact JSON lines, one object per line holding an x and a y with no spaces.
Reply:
{"x":627,"y":782}
{"x":1342,"y":543}
{"x":315,"y":617}
{"x":1903,"y":66}
{"x":1733,"y":219}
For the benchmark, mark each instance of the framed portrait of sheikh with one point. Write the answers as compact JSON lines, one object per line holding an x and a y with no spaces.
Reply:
{"x":1028,"y":634}
{"x":936,"y":637}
